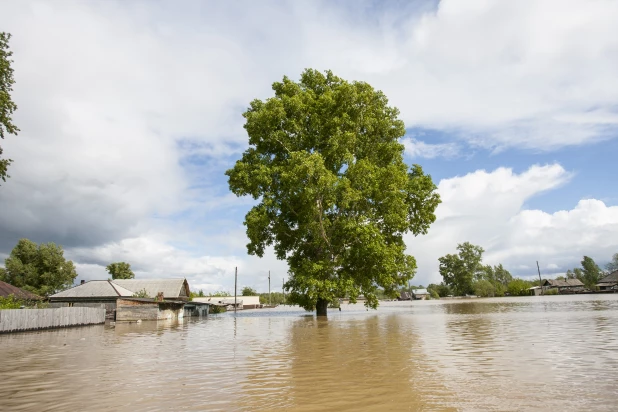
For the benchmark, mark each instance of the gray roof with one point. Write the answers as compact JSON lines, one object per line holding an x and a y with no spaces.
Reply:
{"x":420,"y":292}
{"x":611,"y":278}
{"x":171,"y":288}
{"x":94,"y":288}
{"x":563,"y":283}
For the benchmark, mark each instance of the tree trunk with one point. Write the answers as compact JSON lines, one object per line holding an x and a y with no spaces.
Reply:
{"x":321,"y":307}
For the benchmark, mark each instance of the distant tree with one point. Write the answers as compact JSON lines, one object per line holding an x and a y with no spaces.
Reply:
{"x":591,"y":271}
{"x":518,"y":287}
{"x":459,"y":271}
{"x":141,"y":294}
{"x":248,"y":291}
{"x":335,"y":197}
{"x":120,"y":270}
{"x":41,"y":269}
{"x":442,"y":290}
{"x":612,"y":266}
{"x":502,"y":275}
{"x":276,"y":298}
{"x":484,"y":288}
{"x":221,"y":294}
{"x":199,"y":294}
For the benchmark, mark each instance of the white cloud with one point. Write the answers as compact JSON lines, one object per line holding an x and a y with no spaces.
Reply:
{"x":419,"y":149}
{"x":488,"y":209}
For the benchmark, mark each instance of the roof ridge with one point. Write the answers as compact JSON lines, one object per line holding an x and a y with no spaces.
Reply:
{"x":113,"y":285}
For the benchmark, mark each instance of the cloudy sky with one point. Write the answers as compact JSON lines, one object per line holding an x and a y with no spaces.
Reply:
{"x":130,"y":113}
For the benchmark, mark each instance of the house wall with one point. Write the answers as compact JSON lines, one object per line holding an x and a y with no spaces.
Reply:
{"x":170,"y":311}
{"x":127,"y":310}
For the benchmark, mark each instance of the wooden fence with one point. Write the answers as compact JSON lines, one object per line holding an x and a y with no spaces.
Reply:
{"x":15,"y":320}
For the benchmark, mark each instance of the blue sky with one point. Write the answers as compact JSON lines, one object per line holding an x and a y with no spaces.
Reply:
{"x":130,"y":113}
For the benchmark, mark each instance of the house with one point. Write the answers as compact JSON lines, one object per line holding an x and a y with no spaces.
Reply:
{"x":197,"y":309}
{"x":564,"y":286}
{"x":134,"y":309}
{"x":106,"y":293}
{"x":535,"y":290}
{"x":609,"y":282}
{"x":7,"y":289}
{"x":420,"y":294}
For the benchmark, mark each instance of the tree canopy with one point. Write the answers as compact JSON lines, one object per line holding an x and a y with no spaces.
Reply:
{"x":120,"y":270}
{"x":40,"y":269}
{"x":459,"y":271}
{"x":7,"y":106}
{"x":335,"y":197}
{"x":249,"y":291}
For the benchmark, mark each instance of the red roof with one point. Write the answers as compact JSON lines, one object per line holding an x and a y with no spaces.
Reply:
{"x":6,"y":290}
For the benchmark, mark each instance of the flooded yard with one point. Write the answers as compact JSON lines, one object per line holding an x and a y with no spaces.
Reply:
{"x":533,"y":353}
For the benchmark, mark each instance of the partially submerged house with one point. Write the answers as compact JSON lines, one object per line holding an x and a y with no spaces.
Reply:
{"x":107,"y":293}
{"x":609,"y":282}
{"x":564,"y":286}
{"x":6,"y":290}
{"x":420,"y":294}
{"x":405,"y":296}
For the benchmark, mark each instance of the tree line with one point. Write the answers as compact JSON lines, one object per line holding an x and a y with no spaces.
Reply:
{"x":43,"y":270}
{"x":464,"y":273}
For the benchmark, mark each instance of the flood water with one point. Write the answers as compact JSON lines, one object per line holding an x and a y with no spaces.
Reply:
{"x":555,"y":353}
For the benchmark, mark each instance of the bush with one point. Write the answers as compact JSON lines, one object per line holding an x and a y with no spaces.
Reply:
{"x":518,"y":287}
{"x":11,"y":302}
{"x":434,"y":294}
{"x":551,"y":291}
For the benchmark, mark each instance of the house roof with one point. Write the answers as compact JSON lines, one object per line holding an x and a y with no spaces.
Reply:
{"x":420,"y":292}
{"x":94,"y":288}
{"x":7,"y":289}
{"x":563,"y":283}
{"x":229,"y":300}
{"x":611,"y":278}
{"x":171,"y":288}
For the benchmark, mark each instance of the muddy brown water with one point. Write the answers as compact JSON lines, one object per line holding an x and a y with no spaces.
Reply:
{"x":554,"y":353}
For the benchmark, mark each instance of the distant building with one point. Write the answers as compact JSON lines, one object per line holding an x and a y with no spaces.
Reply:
{"x":134,"y":309}
{"x":7,"y":289}
{"x":564,"y":286}
{"x":242,"y":302}
{"x":420,"y":294}
{"x":609,"y":282}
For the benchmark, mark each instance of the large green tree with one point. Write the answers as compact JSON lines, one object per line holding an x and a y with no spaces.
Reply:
{"x":459,"y":271}
{"x":335,"y":196}
{"x":248,"y":291}
{"x":7,"y":106}
{"x":41,"y":269}
{"x":120,"y":270}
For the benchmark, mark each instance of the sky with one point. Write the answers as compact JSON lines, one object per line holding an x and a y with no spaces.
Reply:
{"x":131,"y":111}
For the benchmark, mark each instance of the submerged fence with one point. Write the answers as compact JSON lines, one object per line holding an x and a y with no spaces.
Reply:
{"x":15,"y":320}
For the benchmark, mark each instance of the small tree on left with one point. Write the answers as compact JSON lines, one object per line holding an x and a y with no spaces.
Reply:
{"x":40,"y":269}
{"x":120,"y":270}
{"x":7,"y":106}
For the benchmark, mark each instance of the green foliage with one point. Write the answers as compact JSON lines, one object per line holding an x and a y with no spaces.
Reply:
{"x":612,"y":266}
{"x":434,"y":294}
{"x":591,"y":272}
{"x":120,"y":270}
{"x":199,"y":294}
{"x":276,"y":298}
{"x":7,"y":106}
{"x":221,"y":293}
{"x":335,"y":197}
{"x":40,"y":269}
{"x":442,"y":290}
{"x":484,"y":288}
{"x":248,"y":291}
{"x":11,"y":302}
{"x":553,"y":291}
{"x":459,"y":271}
{"x":518,"y":287}
{"x":216,"y":309}
{"x":141,"y":294}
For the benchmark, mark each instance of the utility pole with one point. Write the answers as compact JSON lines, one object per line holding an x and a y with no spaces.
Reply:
{"x":283,"y":290}
{"x":269,"y":288}
{"x":540,"y":281}
{"x":235,"y":285}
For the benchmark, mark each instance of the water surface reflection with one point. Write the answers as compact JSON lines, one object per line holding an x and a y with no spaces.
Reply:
{"x":494,"y":354}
